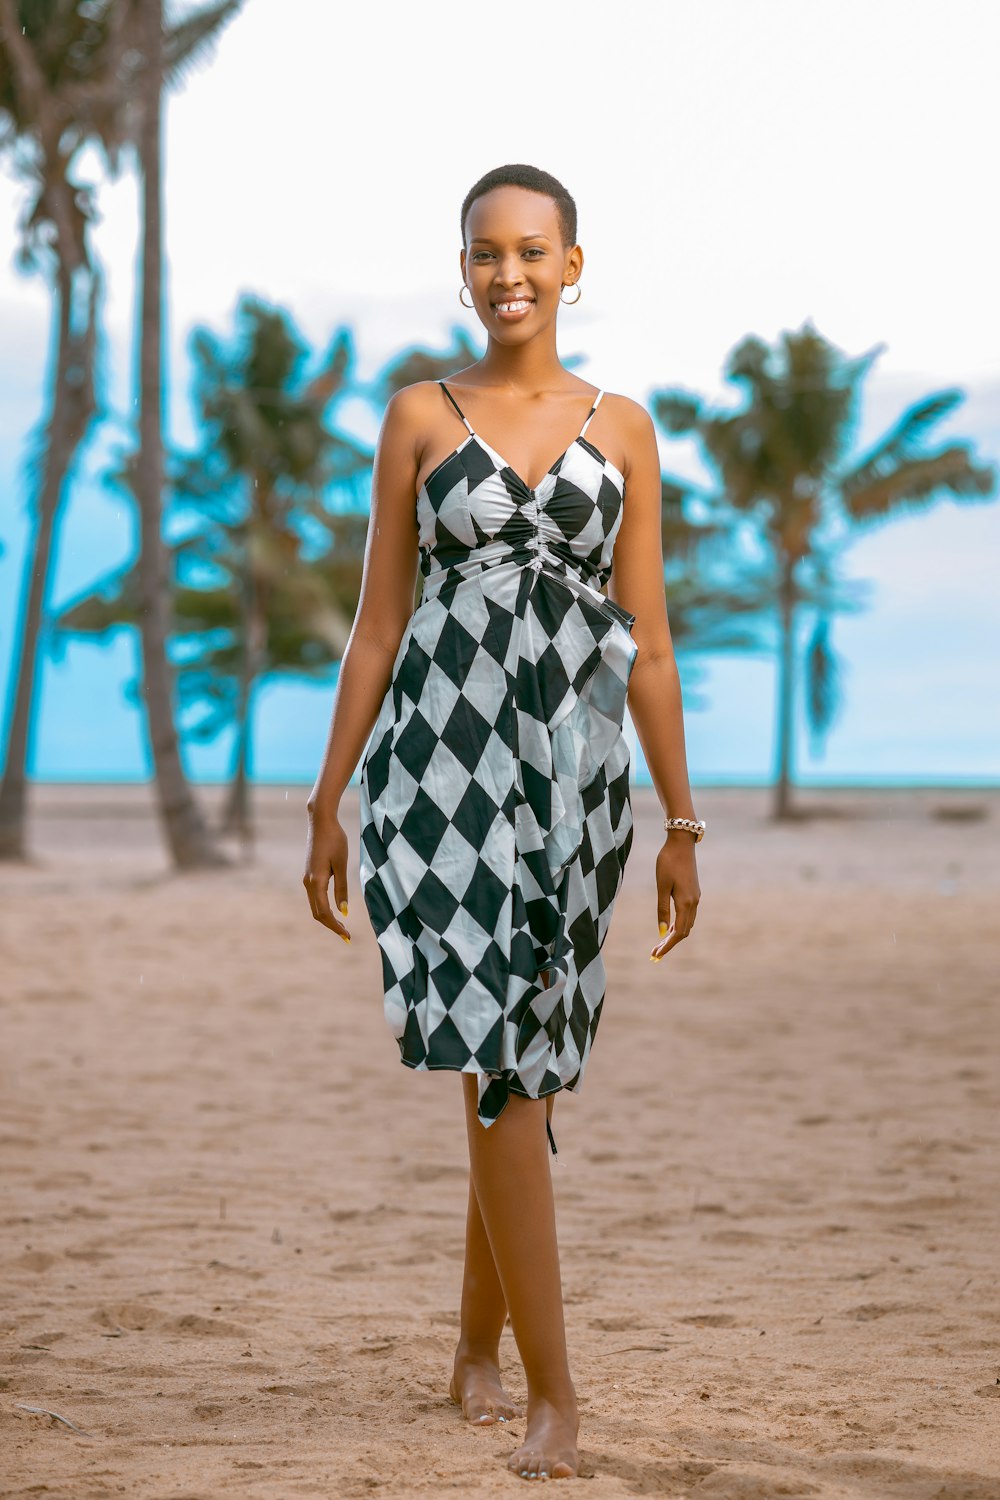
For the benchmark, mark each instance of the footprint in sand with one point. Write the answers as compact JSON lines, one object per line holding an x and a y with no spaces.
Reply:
{"x":134,"y":1317}
{"x":208,"y":1327}
{"x":35,"y":1260}
{"x":206,"y":1409}
{"x":867,"y":1312}
{"x":131,"y":1316}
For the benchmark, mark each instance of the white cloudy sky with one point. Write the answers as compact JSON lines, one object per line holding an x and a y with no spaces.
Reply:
{"x":737,"y":167}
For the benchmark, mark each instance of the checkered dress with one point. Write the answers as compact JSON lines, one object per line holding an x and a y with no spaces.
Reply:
{"x":495,"y":812}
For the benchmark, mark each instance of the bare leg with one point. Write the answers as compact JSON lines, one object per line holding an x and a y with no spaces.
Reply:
{"x":475,"y":1384}
{"x":513,"y":1183}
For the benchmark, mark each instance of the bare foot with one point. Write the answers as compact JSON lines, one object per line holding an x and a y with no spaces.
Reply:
{"x":477,"y":1389}
{"x":549,"y":1447}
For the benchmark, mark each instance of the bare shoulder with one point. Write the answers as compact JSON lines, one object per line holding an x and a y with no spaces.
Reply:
{"x":408,"y":423}
{"x":409,"y":407}
{"x":629,"y":430}
{"x":631,"y":416}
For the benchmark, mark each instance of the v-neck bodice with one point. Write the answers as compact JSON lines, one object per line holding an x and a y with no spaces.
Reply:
{"x":553,"y":468}
{"x":475,"y":512}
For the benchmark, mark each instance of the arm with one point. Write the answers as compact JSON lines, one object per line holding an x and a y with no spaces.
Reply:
{"x":654,"y":694}
{"x":384,"y":610}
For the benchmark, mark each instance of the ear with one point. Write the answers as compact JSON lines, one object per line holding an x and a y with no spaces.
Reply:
{"x":574,"y":262}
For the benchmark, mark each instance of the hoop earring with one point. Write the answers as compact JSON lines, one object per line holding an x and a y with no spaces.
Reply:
{"x":465,"y":288}
{"x":575,"y":300}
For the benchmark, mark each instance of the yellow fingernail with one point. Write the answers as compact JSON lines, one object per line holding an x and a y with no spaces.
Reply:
{"x":346,"y":936}
{"x":663,"y":929}
{"x":343,"y":907}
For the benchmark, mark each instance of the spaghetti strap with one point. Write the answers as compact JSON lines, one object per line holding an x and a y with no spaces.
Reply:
{"x":597,"y":402}
{"x":455,"y":404}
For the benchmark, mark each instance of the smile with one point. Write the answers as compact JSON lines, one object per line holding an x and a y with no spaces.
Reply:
{"x":511,"y":311}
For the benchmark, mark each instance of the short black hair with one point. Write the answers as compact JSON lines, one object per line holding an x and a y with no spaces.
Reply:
{"x":519,"y":174}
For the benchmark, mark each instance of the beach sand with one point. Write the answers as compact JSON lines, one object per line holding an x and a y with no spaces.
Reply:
{"x":232,"y":1221}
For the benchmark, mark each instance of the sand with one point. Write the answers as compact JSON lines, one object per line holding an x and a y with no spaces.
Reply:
{"x":232,"y":1221}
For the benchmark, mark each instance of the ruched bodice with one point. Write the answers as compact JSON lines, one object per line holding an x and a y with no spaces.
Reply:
{"x":494,"y":800}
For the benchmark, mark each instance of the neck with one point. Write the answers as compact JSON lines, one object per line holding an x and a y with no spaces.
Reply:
{"x":534,"y":366}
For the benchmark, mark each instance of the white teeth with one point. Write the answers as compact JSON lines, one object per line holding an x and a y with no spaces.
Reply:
{"x":513,"y":306}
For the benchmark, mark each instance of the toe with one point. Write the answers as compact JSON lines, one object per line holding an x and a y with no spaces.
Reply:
{"x":527,"y":1463}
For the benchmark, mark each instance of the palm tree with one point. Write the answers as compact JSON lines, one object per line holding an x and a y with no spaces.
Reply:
{"x":186,"y":830}
{"x":784,"y":466}
{"x":71,"y":74}
{"x":267,"y":448}
{"x":264,"y":578}
{"x":36,"y":70}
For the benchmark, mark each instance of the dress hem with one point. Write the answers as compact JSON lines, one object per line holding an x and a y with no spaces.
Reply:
{"x":479,"y":1070}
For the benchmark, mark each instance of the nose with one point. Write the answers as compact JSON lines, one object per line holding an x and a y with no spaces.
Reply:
{"x":509,"y":273}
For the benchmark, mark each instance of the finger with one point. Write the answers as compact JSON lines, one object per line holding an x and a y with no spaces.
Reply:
{"x":663,"y":914}
{"x":660,"y":948}
{"x":674,"y":936}
{"x":340,"y":891}
{"x":680,"y":930}
{"x":683,"y":923}
{"x":317,"y":889}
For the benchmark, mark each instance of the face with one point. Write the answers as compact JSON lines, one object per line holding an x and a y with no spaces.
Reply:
{"x":514,"y":262}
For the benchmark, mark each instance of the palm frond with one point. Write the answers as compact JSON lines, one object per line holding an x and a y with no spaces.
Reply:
{"x":914,"y":484}
{"x":823,"y":672}
{"x":676,"y":411}
{"x":902,"y":442}
{"x":189,"y":42}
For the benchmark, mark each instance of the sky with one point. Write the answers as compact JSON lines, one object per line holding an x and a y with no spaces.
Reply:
{"x":738,"y":168}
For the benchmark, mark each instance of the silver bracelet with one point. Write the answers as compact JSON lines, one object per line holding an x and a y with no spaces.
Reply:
{"x":693,"y":825}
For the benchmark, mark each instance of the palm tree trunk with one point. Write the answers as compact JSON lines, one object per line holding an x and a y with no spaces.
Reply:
{"x":72,"y":387}
{"x":237,"y":817}
{"x":784,"y":749}
{"x":72,"y":397}
{"x":187,"y":833}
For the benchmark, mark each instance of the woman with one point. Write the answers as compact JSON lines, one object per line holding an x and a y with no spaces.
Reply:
{"x":495,"y":813}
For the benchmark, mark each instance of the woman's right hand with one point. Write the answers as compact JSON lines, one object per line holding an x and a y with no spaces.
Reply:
{"x":326,"y":857}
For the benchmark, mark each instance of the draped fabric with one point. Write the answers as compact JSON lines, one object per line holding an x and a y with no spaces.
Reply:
{"x":495,"y":812}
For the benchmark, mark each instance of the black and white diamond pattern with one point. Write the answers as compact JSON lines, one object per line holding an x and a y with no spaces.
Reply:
{"x":495,"y":812}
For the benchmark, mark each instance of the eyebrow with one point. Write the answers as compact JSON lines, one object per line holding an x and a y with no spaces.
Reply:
{"x":480,"y":240}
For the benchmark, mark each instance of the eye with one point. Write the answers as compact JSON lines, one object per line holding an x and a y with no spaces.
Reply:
{"x":478,"y":255}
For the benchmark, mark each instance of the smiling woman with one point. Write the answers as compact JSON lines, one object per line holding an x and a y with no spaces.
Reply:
{"x":495,"y":812}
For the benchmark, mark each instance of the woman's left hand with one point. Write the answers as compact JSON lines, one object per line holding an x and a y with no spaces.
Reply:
{"x":676,"y":878}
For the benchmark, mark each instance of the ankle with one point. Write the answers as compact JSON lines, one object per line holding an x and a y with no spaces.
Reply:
{"x":477,"y":1351}
{"x":555,"y":1388}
